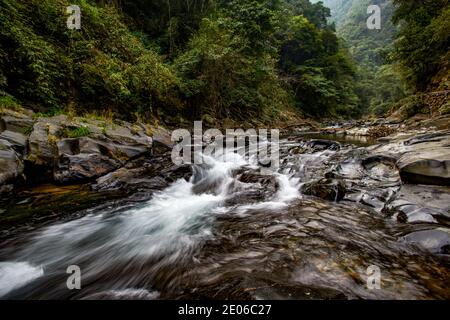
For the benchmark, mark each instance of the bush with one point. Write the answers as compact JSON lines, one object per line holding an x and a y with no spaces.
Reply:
{"x":102,"y":66}
{"x":445,"y":109}
{"x":412,"y":106}
{"x":7,"y":101}
{"x":78,"y":132}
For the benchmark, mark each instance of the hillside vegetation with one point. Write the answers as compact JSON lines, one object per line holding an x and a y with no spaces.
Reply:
{"x":408,"y":56}
{"x":175,"y":60}
{"x":245,"y":60}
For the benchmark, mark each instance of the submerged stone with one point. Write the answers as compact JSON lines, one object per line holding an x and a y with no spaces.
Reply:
{"x":434,"y":240}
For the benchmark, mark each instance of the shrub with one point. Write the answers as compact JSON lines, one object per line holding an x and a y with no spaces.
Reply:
{"x":78,"y":132}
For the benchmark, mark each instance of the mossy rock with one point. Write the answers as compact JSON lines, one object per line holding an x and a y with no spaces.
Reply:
{"x":412,"y":106}
{"x":445,"y":109}
{"x":208,"y":120}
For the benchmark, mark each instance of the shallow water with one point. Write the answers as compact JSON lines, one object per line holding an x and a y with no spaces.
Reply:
{"x":361,"y":141}
{"x":220,"y":235}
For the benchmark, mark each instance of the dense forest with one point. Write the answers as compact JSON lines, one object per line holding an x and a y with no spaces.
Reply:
{"x":179,"y":60}
{"x":379,"y":82}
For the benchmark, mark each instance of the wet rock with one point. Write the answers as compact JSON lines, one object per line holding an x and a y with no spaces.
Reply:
{"x":251,"y":187}
{"x":374,"y":198}
{"x":129,"y":180}
{"x":17,"y":124}
{"x":162,"y":140}
{"x":320,"y":145}
{"x":429,"y":167}
{"x":143,"y":174}
{"x":327,"y":189}
{"x":422,"y":158}
{"x":82,"y":167}
{"x":420,"y":203}
{"x":434,"y":240}
{"x":209,"y":185}
{"x":128,"y":134}
{"x":430,"y":137}
{"x":86,"y":158}
{"x":381,"y":168}
{"x":349,"y":169}
{"x":369,"y":180}
{"x":119,"y":151}
{"x":11,"y":165}
{"x":254,"y":177}
{"x":18,"y":140}
{"x":42,"y":142}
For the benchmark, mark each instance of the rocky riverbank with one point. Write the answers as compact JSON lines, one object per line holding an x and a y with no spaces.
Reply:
{"x":63,"y":150}
{"x":114,"y":202}
{"x":111,"y":158}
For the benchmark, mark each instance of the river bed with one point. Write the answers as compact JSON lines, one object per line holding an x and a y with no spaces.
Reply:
{"x":228,"y":232}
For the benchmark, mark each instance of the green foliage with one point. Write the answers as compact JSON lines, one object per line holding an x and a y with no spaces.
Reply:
{"x":9,"y":102}
{"x":28,"y":131}
{"x":166,"y":24}
{"x":423,"y":42}
{"x":175,"y":59}
{"x":78,"y":132}
{"x":54,"y":111}
{"x":445,"y":109}
{"x":320,"y":73}
{"x":379,"y":84}
{"x":412,"y":105}
{"x":222,"y":78}
{"x":98,"y":67}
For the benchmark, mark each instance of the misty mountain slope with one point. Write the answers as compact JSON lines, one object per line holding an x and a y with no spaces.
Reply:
{"x":367,"y":46}
{"x":379,"y":83}
{"x":339,"y":9}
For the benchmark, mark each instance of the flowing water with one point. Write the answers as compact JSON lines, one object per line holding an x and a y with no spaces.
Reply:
{"x":229,"y":232}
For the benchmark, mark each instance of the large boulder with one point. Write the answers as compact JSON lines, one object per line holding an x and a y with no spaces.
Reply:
{"x":162,"y":140}
{"x":60,"y":151}
{"x":14,"y":127}
{"x":42,"y":149}
{"x":128,"y":134}
{"x":82,"y":167}
{"x":11,"y":165}
{"x":21,"y":124}
{"x":433,"y":240}
{"x":42,"y":142}
{"x":18,"y":140}
{"x":143,"y":173}
{"x":422,"y":159}
{"x":87,"y":158}
{"x":430,"y":166}
{"x":420,"y":203}
{"x":327,"y":189}
{"x":70,"y":150}
{"x":320,"y":145}
{"x":427,"y":160}
{"x":250,"y":186}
